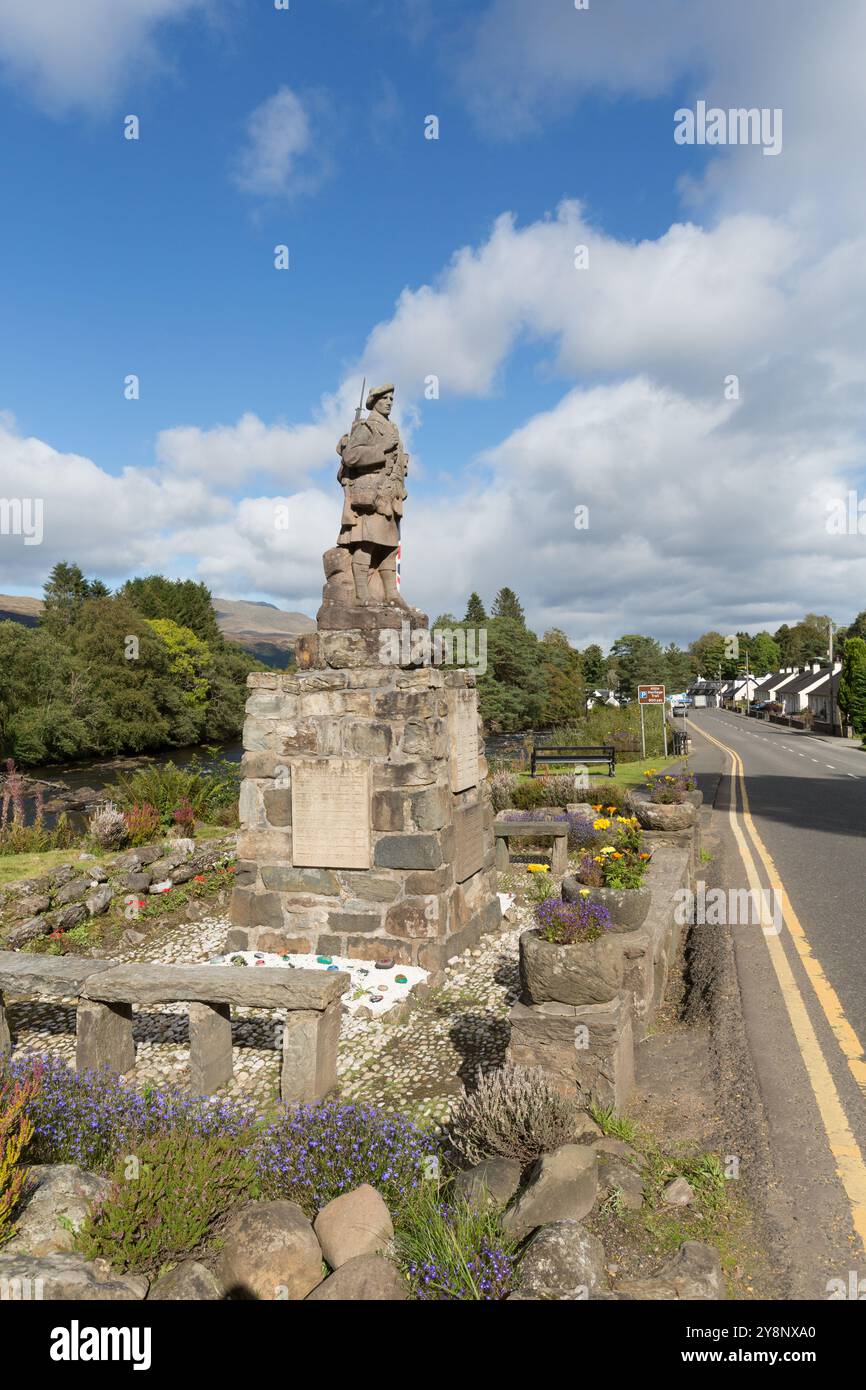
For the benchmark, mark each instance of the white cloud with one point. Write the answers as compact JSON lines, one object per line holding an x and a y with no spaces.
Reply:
{"x":282,"y":156}
{"x":70,"y":53}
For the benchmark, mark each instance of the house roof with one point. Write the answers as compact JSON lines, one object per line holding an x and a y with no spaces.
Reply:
{"x":808,"y":681}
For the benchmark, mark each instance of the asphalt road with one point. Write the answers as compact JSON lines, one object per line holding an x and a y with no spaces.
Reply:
{"x":803,"y":989}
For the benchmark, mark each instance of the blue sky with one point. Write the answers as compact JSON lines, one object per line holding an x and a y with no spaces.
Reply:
{"x":306,"y":127}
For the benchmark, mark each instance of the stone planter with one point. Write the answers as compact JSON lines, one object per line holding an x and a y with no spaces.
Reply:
{"x":654,"y":815}
{"x":589,"y":973}
{"x":628,"y":907}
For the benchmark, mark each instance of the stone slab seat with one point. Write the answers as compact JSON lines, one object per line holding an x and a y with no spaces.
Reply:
{"x":107,"y":991}
{"x":257,"y":987}
{"x":47,"y":977}
{"x":557,"y":830}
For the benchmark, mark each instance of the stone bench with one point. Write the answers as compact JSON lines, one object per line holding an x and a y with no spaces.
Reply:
{"x":556,"y":830}
{"x":106,"y":992}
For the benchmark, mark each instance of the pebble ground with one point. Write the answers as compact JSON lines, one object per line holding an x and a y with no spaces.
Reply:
{"x":415,"y":1060}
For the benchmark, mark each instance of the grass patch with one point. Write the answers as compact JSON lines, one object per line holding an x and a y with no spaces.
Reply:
{"x":612,"y":1125}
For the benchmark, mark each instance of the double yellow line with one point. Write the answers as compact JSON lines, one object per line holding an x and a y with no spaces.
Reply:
{"x":843,"y":1146}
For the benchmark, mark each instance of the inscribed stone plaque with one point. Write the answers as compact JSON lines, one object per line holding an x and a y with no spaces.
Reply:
{"x":331,"y":814}
{"x":463,"y":738}
{"x":469,"y":838}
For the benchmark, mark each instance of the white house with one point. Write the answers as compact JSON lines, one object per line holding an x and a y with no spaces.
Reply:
{"x":795,"y":696}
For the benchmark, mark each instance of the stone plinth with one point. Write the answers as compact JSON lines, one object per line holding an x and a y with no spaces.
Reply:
{"x":365,"y":830}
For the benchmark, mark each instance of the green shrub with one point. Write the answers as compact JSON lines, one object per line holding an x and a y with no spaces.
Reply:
{"x":169,"y":787}
{"x":513,"y":1113}
{"x":166,"y":1200}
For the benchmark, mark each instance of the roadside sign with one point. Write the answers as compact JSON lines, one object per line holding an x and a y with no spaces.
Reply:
{"x":651,"y":694}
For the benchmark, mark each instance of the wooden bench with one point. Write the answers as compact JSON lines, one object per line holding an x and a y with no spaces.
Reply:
{"x":106,"y":992}
{"x":557,"y":830}
{"x":596,"y":753}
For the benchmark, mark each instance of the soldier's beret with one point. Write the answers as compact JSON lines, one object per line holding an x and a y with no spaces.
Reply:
{"x":377,"y":393}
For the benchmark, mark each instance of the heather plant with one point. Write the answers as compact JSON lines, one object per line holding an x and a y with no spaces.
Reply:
{"x":450,"y":1250}
{"x":16,"y":1131}
{"x":313,"y":1153}
{"x":183,"y":816}
{"x":513,"y":1113}
{"x":108,"y":827}
{"x":568,"y":924}
{"x":502,"y":784}
{"x":143,"y":823}
{"x":16,"y":836}
{"x":167,"y":1197}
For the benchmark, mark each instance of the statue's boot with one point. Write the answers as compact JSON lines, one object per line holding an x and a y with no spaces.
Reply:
{"x":360,"y":574}
{"x":392,"y":593}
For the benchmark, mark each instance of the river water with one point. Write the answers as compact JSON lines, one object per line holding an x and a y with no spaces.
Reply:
{"x":69,"y":784}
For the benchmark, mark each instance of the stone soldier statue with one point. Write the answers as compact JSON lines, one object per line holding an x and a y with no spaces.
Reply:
{"x":373,"y":466}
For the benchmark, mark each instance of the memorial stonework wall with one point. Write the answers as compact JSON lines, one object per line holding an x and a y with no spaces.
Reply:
{"x":365,"y":829}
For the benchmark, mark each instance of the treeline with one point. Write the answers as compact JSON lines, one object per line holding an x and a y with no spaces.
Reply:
{"x":105,"y":673}
{"x":541,"y":682}
{"x":544,"y":682}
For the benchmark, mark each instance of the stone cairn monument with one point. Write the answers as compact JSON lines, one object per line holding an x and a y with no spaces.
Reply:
{"x":365,"y":830}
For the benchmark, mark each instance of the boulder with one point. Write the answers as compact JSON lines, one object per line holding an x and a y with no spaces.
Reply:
{"x":72,"y":892}
{"x":21,"y":907}
{"x":366,"y":1278}
{"x":269,"y":1252}
{"x":27,"y":931}
{"x":678,"y":1193}
{"x":138,"y":882}
{"x":64,"y":918}
{"x":563,"y":1260}
{"x":187,"y":1282}
{"x":562,"y":1187}
{"x":355,"y":1223}
{"x":67,"y":1276}
{"x":694,"y":1272}
{"x":64,"y":873}
{"x":99,"y":900}
{"x":61,"y":1196}
{"x":491,"y":1183}
{"x":615,"y":1175}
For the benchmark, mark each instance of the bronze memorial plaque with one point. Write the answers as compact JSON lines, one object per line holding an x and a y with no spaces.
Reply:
{"x":331,"y":814}
{"x":463,"y":738}
{"x":469,"y":839}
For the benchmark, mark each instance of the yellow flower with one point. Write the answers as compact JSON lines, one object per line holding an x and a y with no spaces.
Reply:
{"x":597,"y":808}
{"x":584,"y":892}
{"x":538,"y":868}
{"x":601,"y":824}
{"x":611,"y":808}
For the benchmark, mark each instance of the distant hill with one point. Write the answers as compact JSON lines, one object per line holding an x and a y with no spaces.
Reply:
{"x":263,"y":629}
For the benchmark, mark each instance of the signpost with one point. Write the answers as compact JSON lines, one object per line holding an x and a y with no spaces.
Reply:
{"x":651,"y":695}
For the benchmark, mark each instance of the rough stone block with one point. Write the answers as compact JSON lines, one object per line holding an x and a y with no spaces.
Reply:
{"x":427,"y":881}
{"x":408,"y":852}
{"x":372,"y":887}
{"x":587,"y":1051}
{"x":367,"y":740}
{"x":5,"y":1031}
{"x":278,"y":805}
{"x":210,"y":1047}
{"x":252,"y":909}
{"x":429,"y":808}
{"x":104,"y":1037}
{"x":412,"y":917}
{"x":388,"y":811}
{"x":354,"y":921}
{"x":310,"y":1039}
{"x":285,"y":880}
